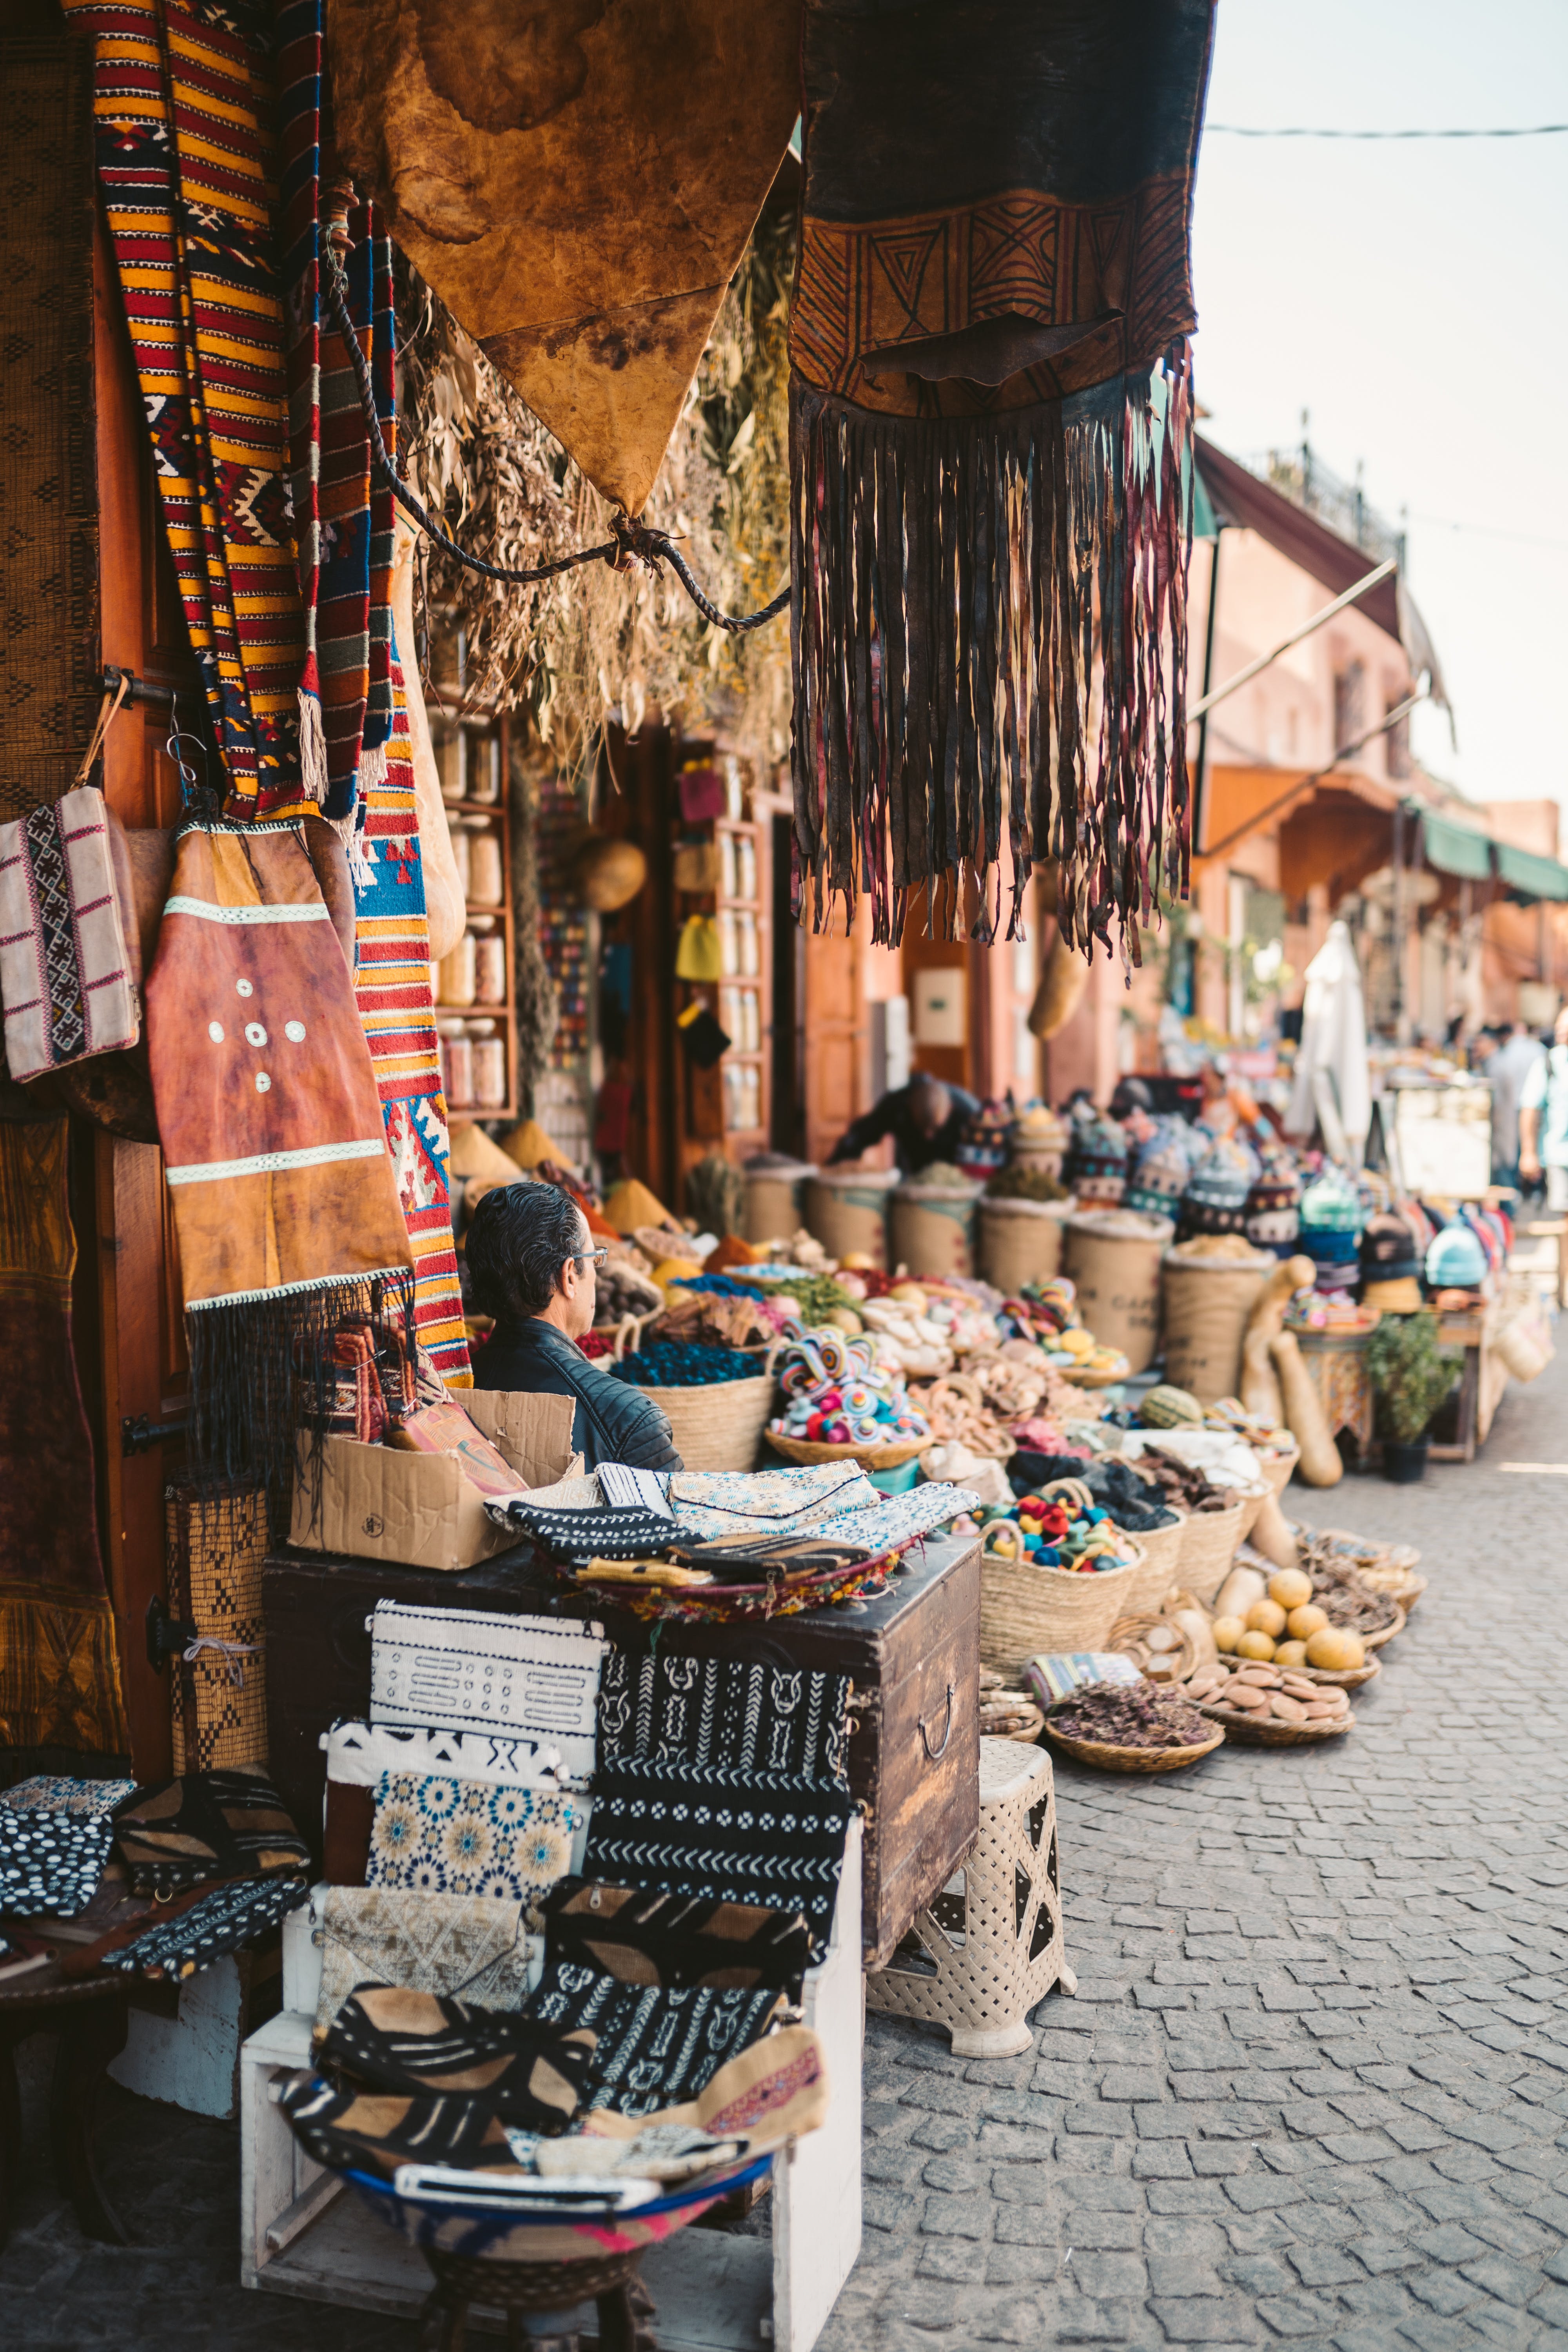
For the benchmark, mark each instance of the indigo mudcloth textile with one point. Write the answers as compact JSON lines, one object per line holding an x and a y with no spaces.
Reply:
{"x":654,"y":2046}
{"x":720,"y":1711}
{"x":223,"y":1921}
{"x":770,"y":1838}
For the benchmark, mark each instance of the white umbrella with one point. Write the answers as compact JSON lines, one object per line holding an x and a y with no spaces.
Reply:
{"x":1332,"y":1088}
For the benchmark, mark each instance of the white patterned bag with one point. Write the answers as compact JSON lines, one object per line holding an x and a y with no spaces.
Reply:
{"x":473,"y":1672}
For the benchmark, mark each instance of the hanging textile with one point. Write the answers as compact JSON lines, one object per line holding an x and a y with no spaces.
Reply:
{"x":343,"y":529}
{"x":392,"y":980}
{"x":184,"y":99}
{"x":991,"y":499}
{"x":49,"y":674}
{"x":284,"y":1196}
{"x":578,"y":187}
{"x":59,"y":1669}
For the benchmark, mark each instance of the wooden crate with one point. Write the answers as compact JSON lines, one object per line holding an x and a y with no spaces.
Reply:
{"x":303,"y":2232}
{"x":913,"y":1654}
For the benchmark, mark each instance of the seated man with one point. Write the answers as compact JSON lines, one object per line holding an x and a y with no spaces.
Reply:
{"x":926,"y":1121}
{"x":532,"y":1261}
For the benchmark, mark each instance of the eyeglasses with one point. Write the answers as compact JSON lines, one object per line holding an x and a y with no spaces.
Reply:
{"x":589,"y":1258}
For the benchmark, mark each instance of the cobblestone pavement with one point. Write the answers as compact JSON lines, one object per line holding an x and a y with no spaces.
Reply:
{"x":1314,"y":2086}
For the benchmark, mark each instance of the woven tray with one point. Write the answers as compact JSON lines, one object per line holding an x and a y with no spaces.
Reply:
{"x":869,"y":1457}
{"x":1127,"y":1636}
{"x":1267,"y":1731}
{"x":1105,"y":1756}
{"x":1385,"y":1632}
{"x":1026,"y":1735}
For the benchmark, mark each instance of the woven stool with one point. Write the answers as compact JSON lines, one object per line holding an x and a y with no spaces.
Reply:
{"x":462,"y":2280}
{"x":991,"y":1944}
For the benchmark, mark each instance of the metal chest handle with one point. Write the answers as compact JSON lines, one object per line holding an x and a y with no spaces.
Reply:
{"x":936,"y":1755}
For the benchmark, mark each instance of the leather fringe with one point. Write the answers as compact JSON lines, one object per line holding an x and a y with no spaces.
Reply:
{"x":261,"y":1381}
{"x":989,"y":630}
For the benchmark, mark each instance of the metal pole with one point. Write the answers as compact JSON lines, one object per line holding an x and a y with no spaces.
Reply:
{"x":1351,"y":596}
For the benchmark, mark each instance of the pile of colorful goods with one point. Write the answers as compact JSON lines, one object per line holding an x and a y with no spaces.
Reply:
{"x":1063,"y":1529}
{"x":838,"y":1393}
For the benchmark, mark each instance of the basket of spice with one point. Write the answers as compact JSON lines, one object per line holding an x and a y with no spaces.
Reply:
{"x":1130,"y":1727}
{"x":1270,"y":1706}
{"x":1386,"y":1568}
{"x":714,"y":1399}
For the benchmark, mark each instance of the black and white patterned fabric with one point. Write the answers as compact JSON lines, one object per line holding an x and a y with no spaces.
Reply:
{"x":770,"y":1838}
{"x":63,"y":1792}
{"x":51,"y":1862}
{"x":646,"y":1935}
{"x":574,"y":1538}
{"x":222,"y":1922}
{"x":719,"y":1711}
{"x":655,"y":2047}
{"x":224,"y":1824}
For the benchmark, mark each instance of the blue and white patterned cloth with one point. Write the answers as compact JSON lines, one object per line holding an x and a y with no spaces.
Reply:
{"x":894,"y":1520}
{"x":709,"y":1503}
{"x":436,"y":1835}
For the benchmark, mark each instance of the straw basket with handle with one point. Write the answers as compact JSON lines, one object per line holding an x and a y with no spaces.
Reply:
{"x":716,"y":1424}
{"x":1025,"y":1610}
{"x":870,"y":1456}
{"x":1209,"y":1540}
{"x":1162,"y":1550}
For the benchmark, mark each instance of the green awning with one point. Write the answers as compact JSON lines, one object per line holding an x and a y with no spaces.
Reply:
{"x":1532,"y":877}
{"x":1456,"y":848}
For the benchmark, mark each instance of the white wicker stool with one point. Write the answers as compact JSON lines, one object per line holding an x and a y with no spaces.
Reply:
{"x":991,"y":1944}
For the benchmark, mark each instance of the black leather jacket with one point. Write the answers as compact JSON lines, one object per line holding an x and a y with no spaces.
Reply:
{"x":614,"y":1421}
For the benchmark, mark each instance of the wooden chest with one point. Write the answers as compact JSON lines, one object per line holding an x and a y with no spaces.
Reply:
{"x":913,"y":1654}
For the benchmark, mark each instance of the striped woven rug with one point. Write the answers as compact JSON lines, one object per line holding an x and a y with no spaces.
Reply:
{"x":188,"y":178}
{"x":393,"y":982}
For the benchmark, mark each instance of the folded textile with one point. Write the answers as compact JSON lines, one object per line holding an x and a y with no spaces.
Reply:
{"x":648,"y":1936}
{"x":65,"y":970}
{"x":722,"y":1711}
{"x":654,"y":2046}
{"x":717,"y":1502}
{"x":471,"y":1944}
{"x":623,"y":1487}
{"x":764,"y":1559}
{"x":223,"y":1920}
{"x":421,"y":2044}
{"x":736,"y":1836}
{"x":474,"y":1671}
{"x":207,"y":1825}
{"x":62,"y":1793}
{"x":574,"y":1538}
{"x":774,"y":2090}
{"x":358,"y":1754}
{"x":666,"y":2153}
{"x":435,"y":1834}
{"x":894,"y":1520}
{"x":52,"y":1861}
{"x":367,"y":2131}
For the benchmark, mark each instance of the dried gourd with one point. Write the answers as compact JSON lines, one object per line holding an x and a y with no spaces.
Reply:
{"x":1304,"y":1416}
{"x":1259,"y":1387}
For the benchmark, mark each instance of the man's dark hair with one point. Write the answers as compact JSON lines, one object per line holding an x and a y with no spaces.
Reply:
{"x":521,"y":1237}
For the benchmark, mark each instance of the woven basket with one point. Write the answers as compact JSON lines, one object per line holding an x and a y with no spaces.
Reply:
{"x":718,"y":1426}
{"x":1025,"y":1612}
{"x":1128,"y":1635}
{"x":1268,"y":1731}
{"x":1278,"y":1464}
{"x":1107,"y":1757}
{"x":869,"y":1457}
{"x":1162,"y":1550}
{"x":1209,"y":1539}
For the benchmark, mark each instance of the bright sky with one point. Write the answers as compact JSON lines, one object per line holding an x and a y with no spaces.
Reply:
{"x":1411,"y":295}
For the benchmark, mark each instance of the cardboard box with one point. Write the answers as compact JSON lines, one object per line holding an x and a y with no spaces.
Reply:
{"x":378,"y":1503}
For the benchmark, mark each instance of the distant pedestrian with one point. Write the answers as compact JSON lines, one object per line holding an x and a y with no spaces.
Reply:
{"x":1544,"y":1119}
{"x":1516,"y":1056}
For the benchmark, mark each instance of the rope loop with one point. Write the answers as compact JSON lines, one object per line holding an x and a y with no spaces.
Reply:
{"x":634,"y":541}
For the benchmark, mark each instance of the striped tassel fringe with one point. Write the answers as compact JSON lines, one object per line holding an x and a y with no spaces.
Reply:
{"x":990,"y":628}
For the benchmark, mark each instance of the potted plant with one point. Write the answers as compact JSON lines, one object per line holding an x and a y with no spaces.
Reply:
{"x":1412,"y":1378}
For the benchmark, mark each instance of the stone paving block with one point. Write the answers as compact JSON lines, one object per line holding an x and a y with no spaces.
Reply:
{"x":1206,"y":2319}
{"x":1502,"y":2277}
